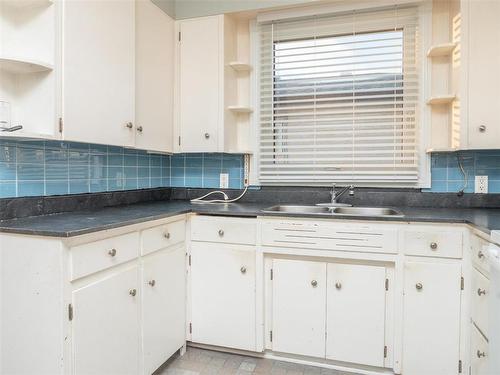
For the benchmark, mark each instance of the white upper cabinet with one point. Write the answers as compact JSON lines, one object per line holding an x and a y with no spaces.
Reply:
{"x":99,"y":72}
{"x":482,"y":74}
{"x":154,"y":78}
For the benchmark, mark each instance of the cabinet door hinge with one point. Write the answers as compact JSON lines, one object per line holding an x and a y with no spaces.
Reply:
{"x":460,"y":366}
{"x":271,"y":336}
{"x":386,"y":284}
{"x":190,"y":327}
{"x":385,"y":351}
{"x":70,"y":312}
{"x":179,"y":36}
{"x":179,"y":140}
{"x":189,"y":260}
{"x":60,"y":125}
{"x":462,"y":283}
{"x":272,"y":274}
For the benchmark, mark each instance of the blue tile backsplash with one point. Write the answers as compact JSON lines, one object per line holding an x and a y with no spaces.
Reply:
{"x":447,"y":177}
{"x":30,"y":168}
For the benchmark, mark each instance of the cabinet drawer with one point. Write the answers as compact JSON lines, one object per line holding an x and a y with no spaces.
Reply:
{"x":227,"y":230}
{"x":431,"y":243}
{"x":480,"y":254}
{"x":370,"y":238}
{"x":479,"y":353}
{"x":99,"y":255}
{"x":163,"y":236}
{"x":480,"y":296}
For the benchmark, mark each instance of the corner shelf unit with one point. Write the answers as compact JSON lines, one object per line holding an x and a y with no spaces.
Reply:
{"x":439,"y":50}
{"x":23,"y":66}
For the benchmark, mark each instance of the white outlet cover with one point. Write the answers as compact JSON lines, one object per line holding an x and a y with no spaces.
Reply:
{"x":224,"y":180}
{"x":481,"y":184}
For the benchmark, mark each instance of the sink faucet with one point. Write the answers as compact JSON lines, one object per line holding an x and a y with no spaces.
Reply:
{"x":337,"y":194}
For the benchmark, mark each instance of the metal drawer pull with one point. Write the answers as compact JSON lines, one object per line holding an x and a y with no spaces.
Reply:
{"x":481,"y":292}
{"x":152,"y":282}
{"x":132,"y":292}
{"x":243,"y":269}
{"x":480,"y":254}
{"x":139,"y":129}
{"x":482,"y":128}
{"x":434,"y":245}
{"x":129,"y":125}
{"x":338,"y":285}
{"x":480,"y":354}
{"x":166,"y":235}
{"x":221,"y":232}
{"x":207,"y":135}
{"x":314,"y":283}
{"x":112,"y":252}
{"x":419,"y":286}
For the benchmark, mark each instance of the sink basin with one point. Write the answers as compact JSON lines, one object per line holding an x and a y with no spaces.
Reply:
{"x":332,"y":211}
{"x":299,"y":209}
{"x":366,"y":211}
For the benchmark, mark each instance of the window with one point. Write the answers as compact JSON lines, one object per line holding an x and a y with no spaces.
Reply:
{"x":339,"y":99}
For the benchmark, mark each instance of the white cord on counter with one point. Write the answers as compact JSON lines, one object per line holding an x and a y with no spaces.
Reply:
{"x":225,"y":200}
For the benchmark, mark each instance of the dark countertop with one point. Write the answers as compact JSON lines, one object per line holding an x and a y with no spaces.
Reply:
{"x":76,"y":223}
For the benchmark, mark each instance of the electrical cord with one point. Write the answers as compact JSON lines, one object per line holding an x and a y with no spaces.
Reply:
{"x":225,"y":200}
{"x":465,"y":174}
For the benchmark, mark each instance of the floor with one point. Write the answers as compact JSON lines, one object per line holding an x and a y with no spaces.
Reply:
{"x":206,"y":362}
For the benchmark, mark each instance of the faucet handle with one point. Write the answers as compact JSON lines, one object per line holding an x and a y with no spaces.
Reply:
{"x":351,"y":190}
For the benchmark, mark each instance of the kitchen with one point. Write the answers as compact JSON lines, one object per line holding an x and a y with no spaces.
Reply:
{"x":249,"y":187}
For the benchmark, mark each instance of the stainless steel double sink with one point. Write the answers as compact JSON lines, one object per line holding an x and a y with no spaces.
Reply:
{"x":332,"y":211}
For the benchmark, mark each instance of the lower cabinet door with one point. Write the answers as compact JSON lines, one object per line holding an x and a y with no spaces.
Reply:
{"x":163,"y":306}
{"x":298,"y":307}
{"x":356,"y":304}
{"x":106,"y":326}
{"x":223,"y":295}
{"x":431,"y":321}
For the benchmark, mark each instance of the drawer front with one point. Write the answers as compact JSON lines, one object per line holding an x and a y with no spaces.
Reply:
{"x":330,"y":236}
{"x":163,"y":236}
{"x":432,"y":243}
{"x":479,"y":353}
{"x":99,"y":255}
{"x":226,"y":230}
{"x":479,"y":248}
{"x":480,"y":297}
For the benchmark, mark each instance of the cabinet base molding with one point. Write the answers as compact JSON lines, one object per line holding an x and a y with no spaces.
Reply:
{"x":308,"y":361}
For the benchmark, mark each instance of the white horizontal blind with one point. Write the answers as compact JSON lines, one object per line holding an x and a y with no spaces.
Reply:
{"x":339,"y":99}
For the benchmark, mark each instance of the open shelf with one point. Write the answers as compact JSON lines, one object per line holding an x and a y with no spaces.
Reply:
{"x":23,"y":4}
{"x":240,"y":109}
{"x":240,"y":66}
{"x":23,"y":66}
{"x":444,"y":49}
{"x":441,"y":149}
{"x":441,"y":99}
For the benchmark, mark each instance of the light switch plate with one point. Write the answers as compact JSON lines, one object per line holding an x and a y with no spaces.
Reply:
{"x":481,"y":185}
{"x":224,"y":181}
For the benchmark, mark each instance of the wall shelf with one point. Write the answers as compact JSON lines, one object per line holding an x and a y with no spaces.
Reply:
{"x":441,"y":149}
{"x":240,"y":66}
{"x":23,"y":66}
{"x":444,"y":49}
{"x":441,"y":99}
{"x":23,"y":4}
{"x":240,"y":109}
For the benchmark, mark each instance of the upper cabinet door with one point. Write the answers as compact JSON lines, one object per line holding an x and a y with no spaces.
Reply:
{"x":154,"y":78}
{"x":483,"y":61}
{"x":199,"y":66}
{"x":98,"y":71}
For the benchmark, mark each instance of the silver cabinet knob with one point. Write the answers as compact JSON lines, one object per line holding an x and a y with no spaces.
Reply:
{"x":433,"y":245}
{"x":480,"y":354}
{"x":221,"y":232}
{"x":338,"y":285}
{"x":314,"y":283}
{"x":207,"y":136}
{"x":112,"y":252}
{"x":480,"y":254}
{"x":243,"y":269}
{"x":139,"y":129}
{"x":481,"y":292}
{"x":132,"y":292}
{"x":152,"y":282}
{"x":419,"y":286}
{"x":129,"y":125}
{"x":166,"y":235}
{"x":482,"y":128}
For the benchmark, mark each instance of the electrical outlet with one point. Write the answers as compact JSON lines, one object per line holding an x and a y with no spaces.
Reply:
{"x":481,"y":185}
{"x":224,"y":181}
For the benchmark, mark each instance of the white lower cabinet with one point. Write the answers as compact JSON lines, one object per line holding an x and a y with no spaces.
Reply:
{"x":223,"y":295}
{"x":431,"y":322}
{"x":298,"y":307}
{"x":106,"y":325}
{"x":356,"y":313}
{"x":163,"y":306}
